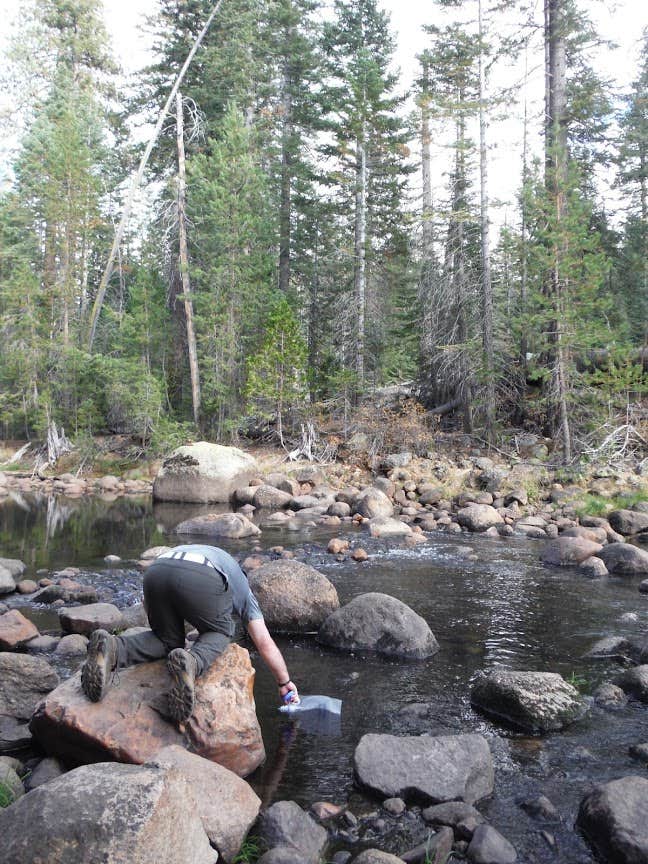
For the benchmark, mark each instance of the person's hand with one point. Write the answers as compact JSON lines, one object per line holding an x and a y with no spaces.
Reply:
{"x":289,"y":688}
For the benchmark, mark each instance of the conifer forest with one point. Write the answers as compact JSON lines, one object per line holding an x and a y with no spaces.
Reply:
{"x":258,"y":242}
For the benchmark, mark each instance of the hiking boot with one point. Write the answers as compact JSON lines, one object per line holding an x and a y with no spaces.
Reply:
{"x":182,"y":697}
{"x":99,"y":668}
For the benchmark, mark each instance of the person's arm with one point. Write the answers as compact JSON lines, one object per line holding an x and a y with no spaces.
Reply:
{"x":272,"y":657}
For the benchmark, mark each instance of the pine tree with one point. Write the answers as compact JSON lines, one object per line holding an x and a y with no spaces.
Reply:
{"x":367,"y":150}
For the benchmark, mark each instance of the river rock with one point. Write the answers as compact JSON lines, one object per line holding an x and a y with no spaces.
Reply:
{"x":232,"y":525}
{"x":203,"y":472}
{"x":451,"y":813}
{"x":378,"y":622}
{"x":623,"y":559}
{"x":610,"y":646}
{"x":42,"y":644}
{"x":294,"y":597}
{"x":14,"y":735}
{"x":283,"y":482}
{"x":425,"y":767}
{"x":285,"y":824}
{"x":226,"y":804}
{"x":135,"y":616}
{"x":479,"y":517}
{"x":282,"y":855}
{"x":126,"y":726}
{"x":27,"y":586}
{"x":124,"y":814}
{"x":489,"y":847}
{"x":72,"y":645}
{"x":614,"y":819}
{"x":7,"y":582}
{"x":535,"y":702}
{"x":372,"y":502}
{"x":608,"y":695}
{"x":634,"y":682}
{"x":570,"y":551}
{"x":339,"y":509}
{"x":385,"y":526}
{"x":86,"y":619}
{"x":593,"y":567}
{"x":376,"y":856}
{"x":24,"y":681}
{"x":628,"y":522}
{"x":269,"y":497}
{"x":15,"y":630}
{"x":46,"y":770}
{"x":14,"y":566}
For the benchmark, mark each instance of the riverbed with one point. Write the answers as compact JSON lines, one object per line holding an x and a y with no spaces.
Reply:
{"x":489,"y":603}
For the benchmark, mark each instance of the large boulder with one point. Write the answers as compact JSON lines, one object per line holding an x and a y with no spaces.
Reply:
{"x":479,"y":517}
{"x":628,"y":522}
{"x":378,"y":622}
{"x":570,"y":551}
{"x":426,"y":768}
{"x":535,"y":702}
{"x":614,"y":819}
{"x":87,"y":619}
{"x":624,"y":559}
{"x":226,"y":804}
{"x":231,"y":525}
{"x":294,"y":597}
{"x":24,"y":681}
{"x":203,"y":472}
{"x":15,"y":630}
{"x":14,"y":565}
{"x":124,"y":814}
{"x":286,"y":825}
{"x":127,"y":724}
{"x":372,"y":502}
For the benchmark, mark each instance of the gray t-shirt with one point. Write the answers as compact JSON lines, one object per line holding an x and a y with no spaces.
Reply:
{"x":243,"y":600}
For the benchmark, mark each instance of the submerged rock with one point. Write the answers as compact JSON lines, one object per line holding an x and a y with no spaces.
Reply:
{"x":614,"y":819}
{"x":127,"y":724}
{"x":535,"y":702}
{"x":378,"y":622}
{"x":232,"y":525}
{"x":425,"y":768}
{"x":294,"y":597}
{"x":124,"y":814}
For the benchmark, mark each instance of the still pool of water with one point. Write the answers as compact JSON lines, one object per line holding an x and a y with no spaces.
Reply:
{"x":489,"y":603}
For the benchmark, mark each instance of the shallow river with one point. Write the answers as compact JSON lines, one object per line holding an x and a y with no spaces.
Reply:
{"x":500,"y":608}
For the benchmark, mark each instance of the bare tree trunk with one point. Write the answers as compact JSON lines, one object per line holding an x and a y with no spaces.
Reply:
{"x":184,"y":264}
{"x":427,"y":263}
{"x":285,"y":239}
{"x":360,"y":253}
{"x":487,"y":286}
{"x":137,"y":179}
{"x":524,"y":262}
{"x":556,"y":180}
{"x":459,"y":270}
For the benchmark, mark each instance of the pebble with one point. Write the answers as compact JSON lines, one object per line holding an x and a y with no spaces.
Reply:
{"x":395,"y":806}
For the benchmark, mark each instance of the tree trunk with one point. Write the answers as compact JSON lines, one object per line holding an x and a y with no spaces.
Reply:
{"x":427,"y":252}
{"x":487,"y":287}
{"x":184,"y":264}
{"x":360,"y":252}
{"x":286,"y":182}
{"x":459,"y":270}
{"x":556,"y":167}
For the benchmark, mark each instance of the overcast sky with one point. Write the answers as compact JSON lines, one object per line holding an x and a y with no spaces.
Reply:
{"x":621,"y":21}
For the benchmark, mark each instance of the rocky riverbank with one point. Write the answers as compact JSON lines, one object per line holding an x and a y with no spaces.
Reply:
{"x":429,"y":786}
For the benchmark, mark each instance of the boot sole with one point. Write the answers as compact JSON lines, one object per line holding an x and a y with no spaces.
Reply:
{"x":181,"y":697}
{"x":96,"y":673}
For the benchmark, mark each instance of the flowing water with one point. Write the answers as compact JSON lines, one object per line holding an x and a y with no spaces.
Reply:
{"x":489,"y":603}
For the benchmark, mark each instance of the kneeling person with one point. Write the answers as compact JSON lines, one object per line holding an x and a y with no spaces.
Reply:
{"x":181,"y":585}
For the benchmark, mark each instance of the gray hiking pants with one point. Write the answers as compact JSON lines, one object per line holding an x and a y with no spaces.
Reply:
{"x":176,"y":591}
